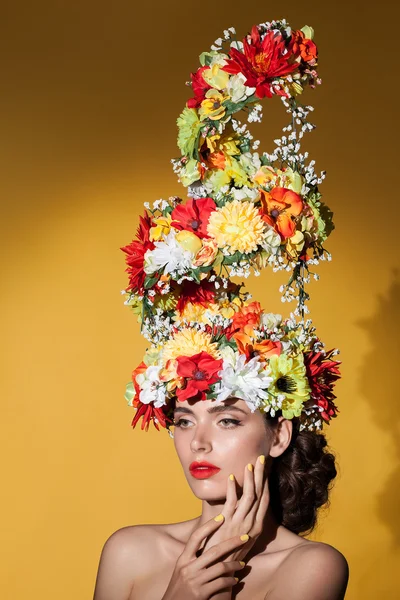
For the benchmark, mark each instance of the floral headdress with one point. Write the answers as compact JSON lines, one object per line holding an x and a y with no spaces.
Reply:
{"x":244,"y":211}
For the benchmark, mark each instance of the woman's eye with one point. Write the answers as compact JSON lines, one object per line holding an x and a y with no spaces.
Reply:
{"x":233,"y":423}
{"x":181,"y":423}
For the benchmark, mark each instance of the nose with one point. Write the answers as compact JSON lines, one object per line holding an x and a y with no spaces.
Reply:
{"x":200,"y":441}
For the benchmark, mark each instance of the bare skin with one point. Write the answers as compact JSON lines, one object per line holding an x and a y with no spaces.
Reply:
{"x":157,"y":562}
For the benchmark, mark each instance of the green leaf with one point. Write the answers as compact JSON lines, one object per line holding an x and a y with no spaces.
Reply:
{"x":150,"y":280}
{"x":229,"y":260}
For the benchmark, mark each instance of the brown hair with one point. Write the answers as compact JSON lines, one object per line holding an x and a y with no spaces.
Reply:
{"x":300,"y":478}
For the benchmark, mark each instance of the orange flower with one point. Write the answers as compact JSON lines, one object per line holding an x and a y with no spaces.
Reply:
{"x":305,"y":47}
{"x":264,"y":349}
{"x":279,"y":206}
{"x":247,"y":318}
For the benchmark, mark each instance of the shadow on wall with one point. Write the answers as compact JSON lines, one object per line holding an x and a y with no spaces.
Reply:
{"x":379,"y":386}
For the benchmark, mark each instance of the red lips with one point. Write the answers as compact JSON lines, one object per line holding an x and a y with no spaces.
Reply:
{"x":203,"y":470}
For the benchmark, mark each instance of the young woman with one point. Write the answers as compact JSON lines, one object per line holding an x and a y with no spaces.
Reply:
{"x":261,"y":482}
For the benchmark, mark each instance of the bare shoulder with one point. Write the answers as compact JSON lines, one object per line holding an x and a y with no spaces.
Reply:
{"x":312,"y":571}
{"x":126,"y":552}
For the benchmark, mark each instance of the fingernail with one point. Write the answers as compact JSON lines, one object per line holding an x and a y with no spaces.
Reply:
{"x":244,"y":537}
{"x":232,"y":477}
{"x":250,"y":467}
{"x":236,"y":579}
{"x":219,"y":518}
{"x":243,"y":564}
{"x":261,"y":459}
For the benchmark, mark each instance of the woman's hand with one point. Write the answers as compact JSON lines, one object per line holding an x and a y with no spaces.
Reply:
{"x":199,"y":578}
{"x":247,"y":514}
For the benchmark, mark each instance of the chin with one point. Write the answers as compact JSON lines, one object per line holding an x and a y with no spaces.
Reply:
{"x":206,"y":489}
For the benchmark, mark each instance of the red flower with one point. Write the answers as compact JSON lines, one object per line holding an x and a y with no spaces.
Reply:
{"x":193,"y":216}
{"x":197,"y":293}
{"x":322,"y":373}
{"x":149,"y":413}
{"x":135,"y":255}
{"x":199,"y":87}
{"x":199,"y":371}
{"x":262,"y":61}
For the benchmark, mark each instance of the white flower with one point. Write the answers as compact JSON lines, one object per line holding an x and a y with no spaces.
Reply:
{"x":168,"y":254}
{"x":247,"y":381}
{"x":245,"y":193}
{"x":237,"y":89}
{"x":271,"y":320}
{"x":152,"y":389}
{"x":272,"y":241}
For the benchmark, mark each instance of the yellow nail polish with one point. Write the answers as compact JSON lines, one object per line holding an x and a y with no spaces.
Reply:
{"x":236,"y":579}
{"x":243,"y":564}
{"x":244,"y":537}
{"x":250,"y":467}
{"x":232,"y":477}
{"x":219,"y":518}
{"x":261,"y":459}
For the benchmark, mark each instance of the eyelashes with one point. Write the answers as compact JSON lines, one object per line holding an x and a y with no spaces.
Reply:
{"x":233,"y":423}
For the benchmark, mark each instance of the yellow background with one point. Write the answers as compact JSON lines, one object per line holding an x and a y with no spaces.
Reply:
{"x":90,"y":93}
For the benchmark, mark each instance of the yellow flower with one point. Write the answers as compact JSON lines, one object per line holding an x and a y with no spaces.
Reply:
{"x":190,"y":172}
{"x":163,"y":226}
{"x":207,"y":253}
{"x":264,"y":175}
{"x":294,"y":244}
{"x":189,"y":241}
{"x":216,"y":77}
{"x":233,"y":171}
{"x":187,"y":342}
{"x":289,"y":378}
{"x":196,"y":313}
{"x":226,"y":142}
{"x":237,"y":226}
{"x":211,"y":107}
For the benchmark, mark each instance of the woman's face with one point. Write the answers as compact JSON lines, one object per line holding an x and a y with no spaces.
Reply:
{"x":227,"y":435}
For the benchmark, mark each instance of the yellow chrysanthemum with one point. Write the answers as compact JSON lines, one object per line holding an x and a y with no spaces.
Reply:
{"x":237,"y":226}
{"x":290,"y":378}
{"x":188,"y":342}
{"x":196,"y":313}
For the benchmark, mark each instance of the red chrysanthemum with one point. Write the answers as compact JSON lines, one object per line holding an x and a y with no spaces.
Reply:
{"x":193,"y":216}
{"x":199,"y":87}
{"x":197,"y":293}
{"x":149,"y":413}
{"x":262,"y":61}
{"x":199,"y":371}
{"x":135,"y":252}
{"x":322,"y":373}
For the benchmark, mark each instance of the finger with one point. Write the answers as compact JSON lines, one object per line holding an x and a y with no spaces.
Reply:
{"x":197,"y":536}
{"x":263,"y":505}
{"x":219,"y":550}
{"x":219,"y":584}
{"x":248,"y":496}
{"x":231,"y":497}
{"x":259,"y":475}
{"x":219,"y":570}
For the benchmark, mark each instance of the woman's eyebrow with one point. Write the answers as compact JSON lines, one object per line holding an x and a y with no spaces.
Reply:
{"x":214,"y":409}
